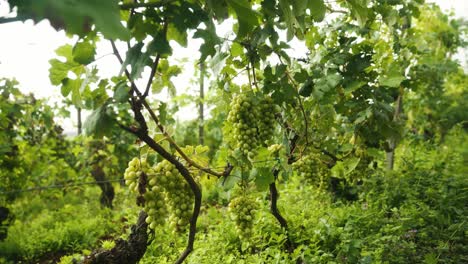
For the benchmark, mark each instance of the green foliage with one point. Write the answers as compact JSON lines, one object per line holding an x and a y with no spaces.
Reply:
{"x":76,"y":17}
{"x":33,"y":149}
{"x":56,"y":225}
{"x":416,"y":213}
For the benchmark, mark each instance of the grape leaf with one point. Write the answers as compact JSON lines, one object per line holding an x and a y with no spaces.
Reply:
{"x":174,"y":34}
{"x":98,"y":122}
{"x":343,"y":168}
{"x":307,"y":87}
{"x":59,"y":70}
{"x":84,"y":52}
{"x":76,"y":16}
{"x":137,"y":60}
{"x":246,"y":16}
{"x":359,"y":10}
{"x":159,"y":45}
{"x":299,"y":7}
{"x":263,"y":177}
{"x":210,"y":38}
{"x":288,"y":17}
{"x":317,"y":9}
{"x":121,"y":92}
{"x":392,"y":78}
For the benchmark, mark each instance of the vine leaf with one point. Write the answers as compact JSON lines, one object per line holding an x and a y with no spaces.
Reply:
{"x":343,"y":168}
{"x":219,"y":9}
{"x":73,"y":86}
{"x":246,"y":16}
{"x":121,"y":92}
{"x":263,"y":177}
{"x":392,"y":78}
{"x":317,"y":9}
{"x":299,"y":7}
{"x":59,"y":70}
{"x":288,"y":17}
{"x":76,"y":16}
{"x":325,"y":84}
{"x":160,"y":45}
{"x":163,"y":80}
{"x":210,"y":38}
{"x":359,"y":10}
{"x":59,"y":75}
{"x":174,"y":34}
{"x":307,"y":87}
{"x":137,"y":60}
{"x":98,"y":122}
{"x":84,"y":52}
{"x":198,"y":154}
{"x":230,"y":181}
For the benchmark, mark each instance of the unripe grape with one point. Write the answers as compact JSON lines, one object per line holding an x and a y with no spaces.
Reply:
{"x":177,"y":195}
{"x":242,"y":211}
{"x":311,"y":168}
{"x":252,"y":118}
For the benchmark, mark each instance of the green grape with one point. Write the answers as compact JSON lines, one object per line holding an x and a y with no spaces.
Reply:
{"x":242,"y":211}
{"x":312,"y":168}
{"x":253,"y":120}
{"x":179,"y":196}
{"x":243,"y":115}
{"x":133,"y":172}
{"x":266,"y":126}
{"x":167,"y":193}
{"x":155,"y":207}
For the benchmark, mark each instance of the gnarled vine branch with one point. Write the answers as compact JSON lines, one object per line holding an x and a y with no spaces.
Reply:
{"x":274,"y":195}
{"x":128,"y":251}
{"x":142,"y":134}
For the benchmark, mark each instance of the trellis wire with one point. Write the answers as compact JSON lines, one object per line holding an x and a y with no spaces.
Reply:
{"x":63,"y":186}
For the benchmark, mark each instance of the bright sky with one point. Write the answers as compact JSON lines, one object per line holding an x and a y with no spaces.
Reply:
{"x":25,"y":50}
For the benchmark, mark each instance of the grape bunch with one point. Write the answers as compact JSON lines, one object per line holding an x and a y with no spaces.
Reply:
{"x":253,"y":119}
{"x":243,"y":115}
{"x":311,"y":167}
{"x":166,"y":191}
{"x":179,"y":196}
{"x":242,"y":211}
{"x":266,"y":124}
{"x":133,"y":172}
{"x":155,"y":207}
{"x":324,"y":117}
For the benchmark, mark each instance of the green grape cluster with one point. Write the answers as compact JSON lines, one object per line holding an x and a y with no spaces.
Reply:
{"x":311,"y":167}
{"x":179,"y":197}
{"x":324,"y":117}
{"x":266,"y":124}
{"x":166,"y":191}
{"x":133,"y":172}
{"x":243,"y":115}
{"x":155,"y":207}
{"x":242,"y":211}
{"x":253,"y":119}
